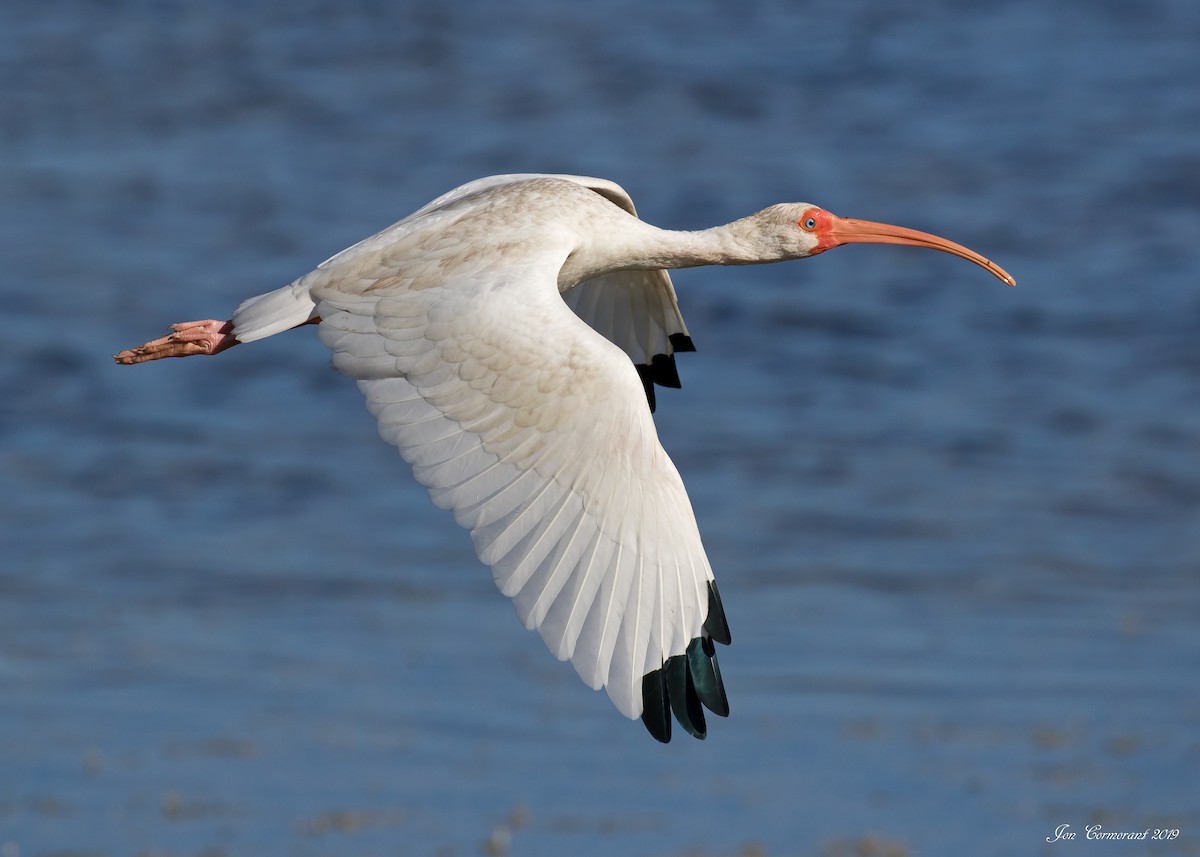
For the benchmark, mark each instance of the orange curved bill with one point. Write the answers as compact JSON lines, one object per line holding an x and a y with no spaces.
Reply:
{"x":846,"y":230}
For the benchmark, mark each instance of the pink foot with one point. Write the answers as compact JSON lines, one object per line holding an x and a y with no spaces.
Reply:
{"x":186,"y":339}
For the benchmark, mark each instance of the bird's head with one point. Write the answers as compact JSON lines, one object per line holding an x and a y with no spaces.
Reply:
{"x":803,"y":230}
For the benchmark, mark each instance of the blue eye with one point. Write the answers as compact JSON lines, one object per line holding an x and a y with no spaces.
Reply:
{"x":810,"y":223}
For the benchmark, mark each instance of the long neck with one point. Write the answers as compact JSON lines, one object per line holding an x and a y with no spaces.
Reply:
{"x":624,"y":243}
{"x":648,"y":247}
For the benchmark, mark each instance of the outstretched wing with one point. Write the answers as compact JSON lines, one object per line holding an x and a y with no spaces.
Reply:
{"x":530,"y":427}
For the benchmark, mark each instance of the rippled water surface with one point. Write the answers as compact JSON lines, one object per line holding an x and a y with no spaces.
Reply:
{"x":957,"y":526}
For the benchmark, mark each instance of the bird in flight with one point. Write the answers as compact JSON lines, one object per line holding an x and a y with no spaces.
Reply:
{"x":508,"y":337}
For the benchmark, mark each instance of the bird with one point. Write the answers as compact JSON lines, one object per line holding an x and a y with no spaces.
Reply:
{"x":508,"y":337}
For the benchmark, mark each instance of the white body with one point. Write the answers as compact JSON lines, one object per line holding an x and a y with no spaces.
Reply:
{"x":526,"y":422}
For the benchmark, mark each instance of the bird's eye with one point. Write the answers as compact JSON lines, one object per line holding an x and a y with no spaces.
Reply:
{"x":810,"y":223}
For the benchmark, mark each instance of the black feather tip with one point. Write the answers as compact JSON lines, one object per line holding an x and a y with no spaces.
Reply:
{"x":681,"y":342}
{"x":661,"y":368}
{"x":687,"y":684}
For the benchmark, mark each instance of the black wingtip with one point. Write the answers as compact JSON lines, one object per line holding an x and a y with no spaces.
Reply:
{"x":689,"y":681}
{"x":715,"y":623}
{"x":661,"y":369}
{"x":706,"y":676}
{"x":684,"y":686}
{"x":656,"y":710}
{"x":681,"y":342}
{"x":681,"y":693}
{"x":647,"y":376}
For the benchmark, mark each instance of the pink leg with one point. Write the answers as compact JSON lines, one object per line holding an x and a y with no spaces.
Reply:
{"x":185,"y":339}
{"x":188,"y":338}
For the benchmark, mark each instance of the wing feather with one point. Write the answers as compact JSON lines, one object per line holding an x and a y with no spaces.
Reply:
{"x":526,"y":556}
{"x":605,"y":624}
{"x":565,"y":620}
{"x":546,"y":582}
{"x":528,"y":423}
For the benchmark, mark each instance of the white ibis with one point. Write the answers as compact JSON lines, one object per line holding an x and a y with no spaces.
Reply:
{"x":508,"y":337}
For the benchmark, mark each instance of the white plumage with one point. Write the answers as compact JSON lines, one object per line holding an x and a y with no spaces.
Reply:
{"x":526,"y":424}
{"x":495,"y":334}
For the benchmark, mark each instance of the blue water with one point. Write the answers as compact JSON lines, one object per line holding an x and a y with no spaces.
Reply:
{"x":956,"y":526}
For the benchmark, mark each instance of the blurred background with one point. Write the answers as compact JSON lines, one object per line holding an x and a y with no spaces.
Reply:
{"x":956,"y":526}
